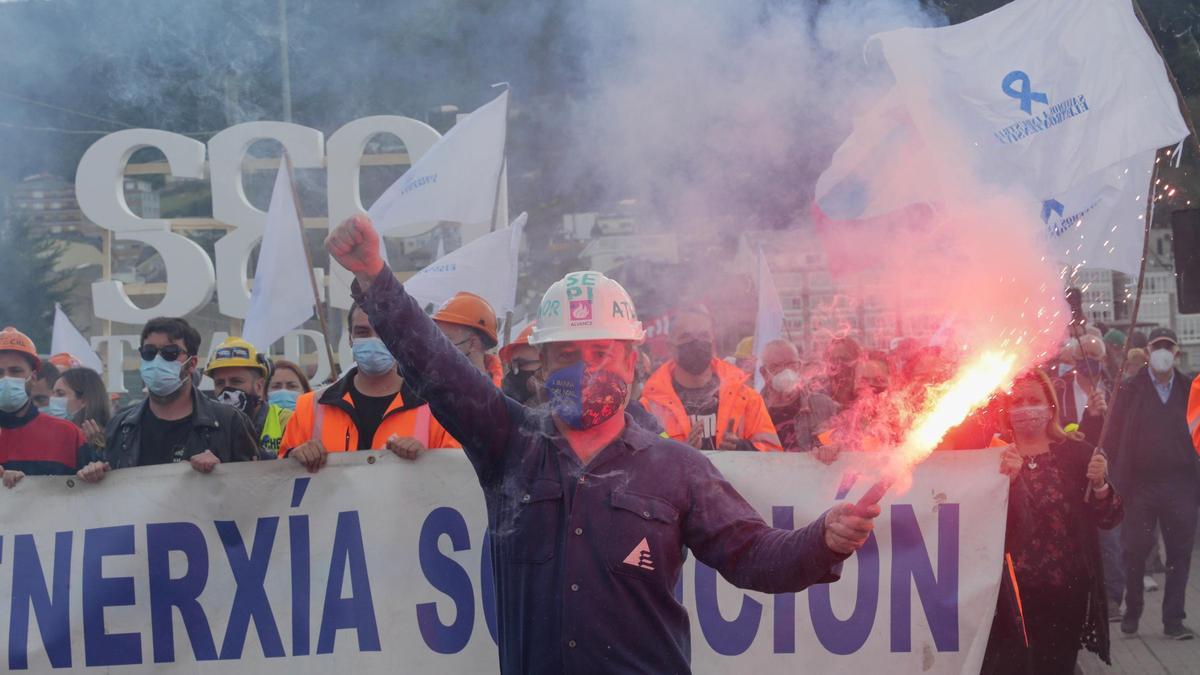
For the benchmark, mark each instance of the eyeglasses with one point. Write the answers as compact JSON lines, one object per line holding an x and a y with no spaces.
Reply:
{"x":169,"y":353}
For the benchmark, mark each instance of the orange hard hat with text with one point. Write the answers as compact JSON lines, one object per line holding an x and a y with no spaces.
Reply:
{"x":472,"y":311}
{"x":521,"y":341}
{"x":13,"y":340}
{"x":65,"y":361}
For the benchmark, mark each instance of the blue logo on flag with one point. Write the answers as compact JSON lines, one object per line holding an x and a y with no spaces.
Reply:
{"x":1049,"y":207}
{"x":1026,"y":94}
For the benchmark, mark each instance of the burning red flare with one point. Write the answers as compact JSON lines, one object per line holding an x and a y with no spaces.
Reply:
{"x":947,"y":407}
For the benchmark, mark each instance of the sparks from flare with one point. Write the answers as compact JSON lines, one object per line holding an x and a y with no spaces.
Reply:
{"x":970,"y":389}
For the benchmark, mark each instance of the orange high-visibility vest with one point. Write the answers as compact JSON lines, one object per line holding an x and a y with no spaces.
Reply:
{"x":325,"y":415}
{"x":736,"y":402}
{"x":495,"y":369}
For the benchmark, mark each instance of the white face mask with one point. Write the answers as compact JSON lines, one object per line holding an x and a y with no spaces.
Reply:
{"x":785,"y":381}
{"x":1162,"y":360}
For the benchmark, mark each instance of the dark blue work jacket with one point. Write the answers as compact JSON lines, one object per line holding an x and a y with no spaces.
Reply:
{"x":586,"y":557}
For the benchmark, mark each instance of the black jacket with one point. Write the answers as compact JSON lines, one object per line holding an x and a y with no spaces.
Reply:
{"x":1121,"y":439}
{"x":215,"y":426}
{"x":1005,"y":654}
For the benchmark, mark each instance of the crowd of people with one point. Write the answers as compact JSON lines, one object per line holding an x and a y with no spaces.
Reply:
{"x":1083,"y":524}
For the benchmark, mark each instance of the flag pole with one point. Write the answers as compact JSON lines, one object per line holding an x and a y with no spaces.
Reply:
{"x":312,"y":277}
{"x":1184,"y":110}
{"x":503,"y":160}
{"x":1137,"y":300}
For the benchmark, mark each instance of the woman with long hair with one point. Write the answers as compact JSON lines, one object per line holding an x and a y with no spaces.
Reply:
{"x":79,"y":396}
{"x":1054,"y":579}
{"x":288,"y":381}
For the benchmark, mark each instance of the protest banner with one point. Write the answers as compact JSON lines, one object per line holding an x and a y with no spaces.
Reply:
{"x":379,"y":565}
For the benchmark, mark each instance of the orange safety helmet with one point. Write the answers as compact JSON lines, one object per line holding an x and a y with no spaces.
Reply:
{"x":65,"y":361}
{"x":13,"y":340}
{"x":472,"y":311}
{"x":521,"y":341}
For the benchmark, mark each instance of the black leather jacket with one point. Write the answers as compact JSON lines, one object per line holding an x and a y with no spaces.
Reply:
{"x":215,"y":426}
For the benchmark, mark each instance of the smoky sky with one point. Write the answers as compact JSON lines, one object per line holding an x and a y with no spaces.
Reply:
{"x":713,"y":114}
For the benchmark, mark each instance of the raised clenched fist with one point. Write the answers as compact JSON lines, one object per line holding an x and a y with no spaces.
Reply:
{"x":355,"y":245}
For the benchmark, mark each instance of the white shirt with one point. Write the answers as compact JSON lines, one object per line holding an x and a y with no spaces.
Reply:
{"x":1081,"y":399}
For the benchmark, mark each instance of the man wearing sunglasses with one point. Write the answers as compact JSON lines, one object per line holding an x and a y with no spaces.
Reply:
{"x":174,"y":423}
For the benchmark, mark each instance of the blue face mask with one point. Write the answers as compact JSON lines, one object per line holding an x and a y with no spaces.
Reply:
{"x":584,"y":398}
{"x":57,"y":407}
{"x":284,"y":398}
{"x":162,"y":377}
{"x":13,"y":395}
{"x":372,"y":356}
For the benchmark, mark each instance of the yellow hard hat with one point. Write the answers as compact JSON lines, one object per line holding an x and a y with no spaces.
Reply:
{"x":235,"y":352}
{"x":745,"y":349}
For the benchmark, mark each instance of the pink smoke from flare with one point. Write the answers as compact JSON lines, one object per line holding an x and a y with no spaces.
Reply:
{"x":957,"y":252}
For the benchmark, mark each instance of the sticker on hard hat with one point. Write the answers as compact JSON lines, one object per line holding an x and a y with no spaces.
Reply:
{"x":581,"y":310}
{"x":580,"y":307}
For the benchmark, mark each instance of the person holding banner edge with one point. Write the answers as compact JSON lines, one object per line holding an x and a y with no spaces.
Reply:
{"x":588,"y":514}
{"x":369,"y":407}
{"x":1053,"y":597}
{"x":32,"y":442}
{"x":175,"y":423}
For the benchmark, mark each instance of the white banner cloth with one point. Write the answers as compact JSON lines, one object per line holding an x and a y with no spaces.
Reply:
{"x":364,"y":566}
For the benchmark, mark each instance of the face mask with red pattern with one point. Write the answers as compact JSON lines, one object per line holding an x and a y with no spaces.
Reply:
{"x":584,"y":398}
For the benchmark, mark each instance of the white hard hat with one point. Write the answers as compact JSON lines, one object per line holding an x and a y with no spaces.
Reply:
{"x":586,"y":306}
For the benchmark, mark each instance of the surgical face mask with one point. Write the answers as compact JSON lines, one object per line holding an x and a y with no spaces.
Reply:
{"x":1029,"y":420}
{"x":785,"y":381}
{"x":695,"y":356}
{"x":13,"y":395}
{"x":372,"y":356}
{"x":1162,"y":360}
{"x":239,"y":399}
{"x":284,"y":398}
{"x":57,"y":407}
{"x":162,"y":377}
{"x":584,"y":398}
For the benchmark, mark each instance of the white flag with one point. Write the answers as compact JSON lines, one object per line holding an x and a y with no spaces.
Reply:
{"x":769,"y":323}
{"x":282,"y":297}
{"x":68,"y":339}
{"x":1038,"y":94}
{"x":1101,"y":221}
{"x":456,"y":180}
{"x":881,"y":167}
{"x":486,"y":267}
